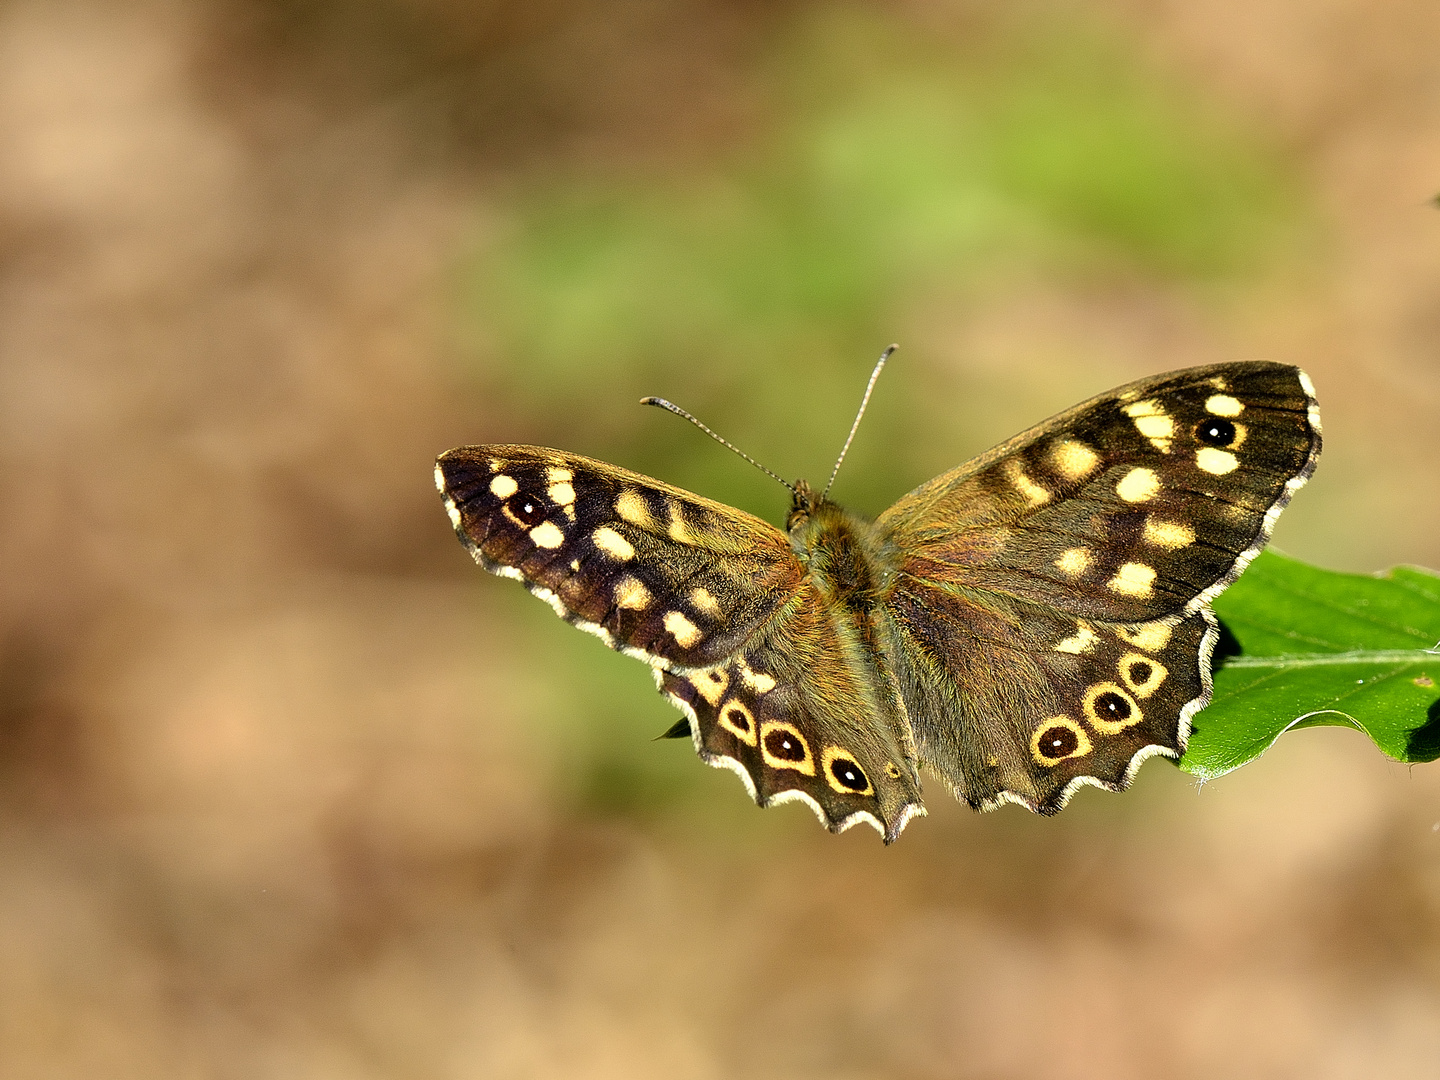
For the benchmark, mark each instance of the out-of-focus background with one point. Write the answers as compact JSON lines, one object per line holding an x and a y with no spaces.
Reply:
{"x":290,"y":789}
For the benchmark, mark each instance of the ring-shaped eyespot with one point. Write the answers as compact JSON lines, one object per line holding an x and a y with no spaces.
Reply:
{"x":739,"y":721}
{"x":1215,"y":431}
{"x":893,"y":771}
{"x":526,"y":510}
{"x":783,"y":747}
{"x":1141,"y":674}
{"x":1057,"y":739}
{"x":844,"y":772}
{"x":1110,"y":708}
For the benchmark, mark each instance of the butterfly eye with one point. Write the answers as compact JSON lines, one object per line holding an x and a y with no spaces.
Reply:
{"x":1215,"y":432}
{"x":527,"y":509}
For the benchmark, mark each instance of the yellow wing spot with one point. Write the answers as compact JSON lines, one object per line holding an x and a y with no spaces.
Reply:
{"x":1168,"y":534}
{"x":711,"y":685}
{"x":783,"y":747}
{"x":1152,"y":637}
{"x":1074,"y":459}
{"x":1032,"y":491}
{"x":1223,"y":405}
{"x":757,"y":681}
{"x":739,"y":721}
{"x":547,"y":535}
{"x":1153,"y":422}
{"x":574,"y":564}
{"x":562,"y":493}
{"x":705,"y":603}
{"x":554,"y":474}
{"x":679,"y":531}
{"x":1216,"y":462}
{"x":569,"y":512}
{"x":1138,"y":485}
{"x":502,"y":486}
{"x":685,"y":632}
{"x":1133,"y":579}
{"x":613,"y":544}
{"x":844,"y":772}
{"x":1073,"y":561}
{"x":1058,"y":738}
{"x":495,"y":464}
{"x":632,"y":594}
{"x":1141,"y":674}
{"x":1218,"y":382}
{"x":1081,"y":643}
{"x":631,"y":507}
{"x":1110,"y":708}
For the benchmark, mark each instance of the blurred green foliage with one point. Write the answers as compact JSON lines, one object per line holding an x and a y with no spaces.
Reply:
{"x":756,"y":287}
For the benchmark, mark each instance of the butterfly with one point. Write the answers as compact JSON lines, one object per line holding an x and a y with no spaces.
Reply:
{"x":1034,"y":620}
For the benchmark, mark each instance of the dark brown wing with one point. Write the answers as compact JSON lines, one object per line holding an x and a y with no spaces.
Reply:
{"x":1141,"y":503}
{"x":1050,"y":607}
{"x":674,"y":578}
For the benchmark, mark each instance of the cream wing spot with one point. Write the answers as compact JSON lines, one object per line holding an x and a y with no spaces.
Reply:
{"x":1223,"y":405}
{"x":1073,"y":561}
{"x":632,"y":508}
{"x":1152,"y":637}
{"x":757,"y":681}
{"x":1074,"y":459}
{"x":503,"y":486}
{"x":1216,"y":462}
{"x":613,"y":544}
{"x":1033,"y":492}
{"x":632,"y":594}
{"x":711,"y":685}
{"x":1138,"y":485}
{"x":679,"y":529}
{"x":547,"y":535}
{"x":1133,"y":579}
{"x":1168,"y":534}
{"x":705,"y":603}
{"x":1083,"y":640}
{"x":685,"y":632}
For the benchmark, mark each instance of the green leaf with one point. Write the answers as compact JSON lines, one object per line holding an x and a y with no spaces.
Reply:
{"x":1308,"y":647}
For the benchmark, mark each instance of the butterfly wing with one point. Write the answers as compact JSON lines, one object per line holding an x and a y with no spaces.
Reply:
{"x":717,"y":603}
{"x":1050,"y":610}
{"x":1135,"y":505}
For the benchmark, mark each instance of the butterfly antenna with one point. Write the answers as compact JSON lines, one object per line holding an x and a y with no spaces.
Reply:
{"x":661,"y":403}
{"x":856,"y":426}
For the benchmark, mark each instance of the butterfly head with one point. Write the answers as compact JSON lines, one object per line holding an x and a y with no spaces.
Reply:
{"x":802,"y":507}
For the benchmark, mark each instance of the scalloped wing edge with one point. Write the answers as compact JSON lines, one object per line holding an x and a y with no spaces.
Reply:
{"x":720,"y":761}
{"x":908,"y":811}
{"x":1145,"y":753}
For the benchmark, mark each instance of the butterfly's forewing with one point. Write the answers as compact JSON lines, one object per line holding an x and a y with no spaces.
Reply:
{"x":1133,"y":506}
{"x":675,"y":578}
{"x":1051,"y":607}
{"x":717,"y":602}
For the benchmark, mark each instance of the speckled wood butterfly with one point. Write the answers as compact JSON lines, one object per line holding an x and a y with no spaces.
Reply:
{"x":1032,"y":621}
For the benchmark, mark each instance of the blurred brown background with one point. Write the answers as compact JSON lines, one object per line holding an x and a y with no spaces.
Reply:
{"x":288,"y":788}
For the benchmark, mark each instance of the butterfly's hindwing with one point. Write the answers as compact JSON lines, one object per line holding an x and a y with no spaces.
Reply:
{"x":677,"y":579}
{"x":799,"y":715}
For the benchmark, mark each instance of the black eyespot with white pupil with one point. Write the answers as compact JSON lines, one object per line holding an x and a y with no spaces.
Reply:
{"x":1058,"y":742}
{"x":848,"y":774}
{"x":1111,"y":706}
{"x":784,"y":746}
{"x":1215,"y":432}
{"x":527,"y":508}
{"x":739,"y":719}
